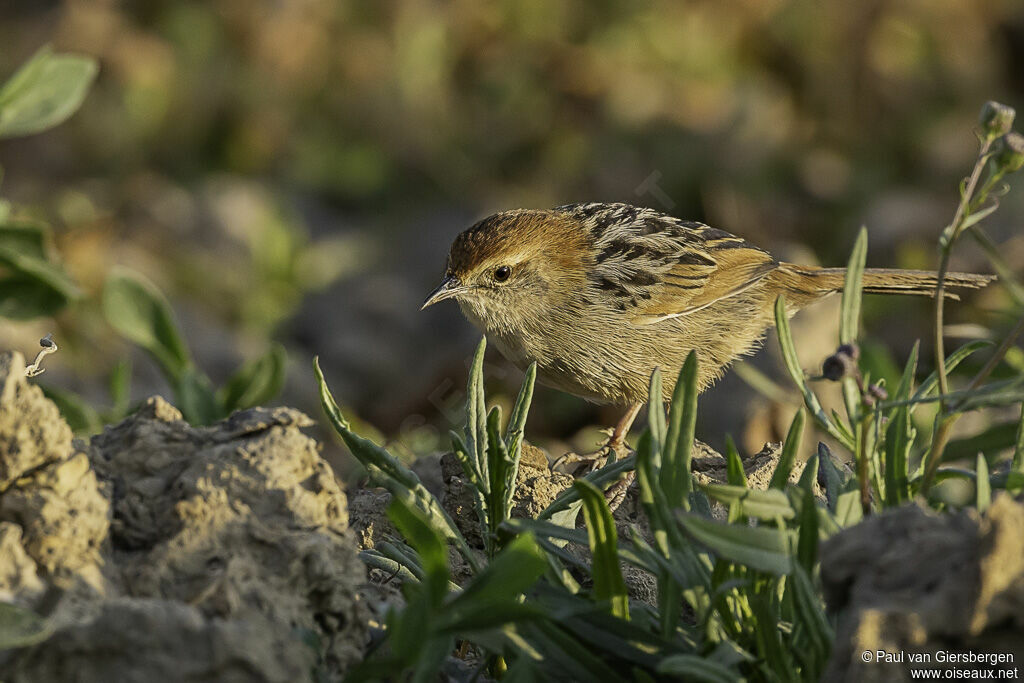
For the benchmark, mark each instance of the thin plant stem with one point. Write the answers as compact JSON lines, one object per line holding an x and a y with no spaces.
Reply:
{"x":949,"y":238}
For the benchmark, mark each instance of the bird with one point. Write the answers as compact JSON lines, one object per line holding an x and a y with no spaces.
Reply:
{"x":598,"y":295}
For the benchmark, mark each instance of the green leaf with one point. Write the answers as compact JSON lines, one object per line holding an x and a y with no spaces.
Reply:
{"x":796,"y":372}
{"x":599,"y":478}
{"x":386,"y":470}
{"x":512,"y":572}
{"x":603,"y":537}
{"x":780,"y":477}
{"x":834,"y":479}
{"x":196,"y":399}
{"x":1017,"y":465}
{"x":28,"y":239}
{"x":137,"y":310}
{"x":44,"y":92}
{"x":256,"y":382}
{"x":120,"y":389}
{"x":694,"y":668}
{"x":476,"y":415}
{"x":516,"y":430}
{"x":655,"y":411}
{"x":417,"y":530}
{"x":20,"y":627}
{"x":769,"y":639}
{"x":498,"y":464}
{"x":983,"y":485}
{"x":735,"y":474}
{"x":39,"y":269}
{"x":23,"y":297}
{"x":768,"y":505}
{"x":810,"y":474}
{"x":675,"y":477}
{"x":807,"y":541}
{"x":810,"y":614}
{"x":759,"y":548}
{"x":849,"y":321}
{"x":952,"y":360}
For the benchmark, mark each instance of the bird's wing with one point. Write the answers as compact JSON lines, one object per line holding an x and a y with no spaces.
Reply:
{"x":657,"y":267}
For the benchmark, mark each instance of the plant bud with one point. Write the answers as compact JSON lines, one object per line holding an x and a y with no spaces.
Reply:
{"x":1008,"y":153}
{"x":843,"y":363}
{"x":996,"y":119}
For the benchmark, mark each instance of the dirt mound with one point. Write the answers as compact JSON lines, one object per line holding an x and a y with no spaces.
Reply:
{"x":918,"y":583}
{"x":161,"y":551}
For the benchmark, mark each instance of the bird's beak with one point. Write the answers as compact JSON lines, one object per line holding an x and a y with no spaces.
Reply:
{"x":448,"y":288}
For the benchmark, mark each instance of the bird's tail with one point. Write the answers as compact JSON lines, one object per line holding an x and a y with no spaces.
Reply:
{"x":807,"y":283}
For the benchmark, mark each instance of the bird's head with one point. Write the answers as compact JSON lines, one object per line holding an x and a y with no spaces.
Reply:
{"x":513,"y":265}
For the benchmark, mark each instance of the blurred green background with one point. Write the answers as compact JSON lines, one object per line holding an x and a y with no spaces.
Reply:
{"x":295,"y":171}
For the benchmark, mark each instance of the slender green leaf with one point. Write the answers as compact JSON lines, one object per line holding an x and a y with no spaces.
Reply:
{"x":735,"y":474}
{"x":983,"y":485}
{"x":675,"y":476}
{"x":655,"y":410}
{"x":512,"y":571}
{"x":44,"y":92}
{"x":603,"y":537}
{"x":20,"y":627}
{"x":810,"y":614}
{"x":807,"y":541}
{"x":516,"y":430}
{"x":387,"y":471}
{"x":768,"y":505}
{"x":952,"y":360}
{"x":796,"y":372}
{"x":194,"y":396}
{"x":849,"y":321}
{"x":694,"y":668}
{"x":761,"y":548}
{"x":809,"y":476}
{"x":1017,"y":464}
{"x":599,"y":478}
{"x":780,"y":477}
{"x":375,"y":560}
{"x":120,"y":384}
{"x":834,"y":478}
{"x":476,"y":415}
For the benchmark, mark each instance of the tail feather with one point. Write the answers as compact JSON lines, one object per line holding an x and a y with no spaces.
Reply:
{"x":815,"y":283}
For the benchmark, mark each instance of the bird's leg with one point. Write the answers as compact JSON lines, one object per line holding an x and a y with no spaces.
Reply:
{"x":615,"y":443}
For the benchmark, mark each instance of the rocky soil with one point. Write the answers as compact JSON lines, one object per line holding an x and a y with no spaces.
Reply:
{"x":163,"y":552}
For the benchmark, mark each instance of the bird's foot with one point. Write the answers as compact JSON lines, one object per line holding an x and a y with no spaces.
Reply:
{"x":578,"y":465}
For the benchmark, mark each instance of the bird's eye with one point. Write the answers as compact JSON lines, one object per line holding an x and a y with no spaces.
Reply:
{"x":502,"y":273}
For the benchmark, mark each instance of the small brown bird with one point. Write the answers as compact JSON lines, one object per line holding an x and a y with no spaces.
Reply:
{"x":601,"y":294}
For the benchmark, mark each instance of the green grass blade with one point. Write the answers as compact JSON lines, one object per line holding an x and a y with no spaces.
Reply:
{"x":796,"y":372}
{"x":675,"y":476}
{"x":603,"y":537}
{"x":983,"y":484}
{"x":780,"y":477}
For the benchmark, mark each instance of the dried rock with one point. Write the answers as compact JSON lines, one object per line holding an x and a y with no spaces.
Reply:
{"x":911,"y":581}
